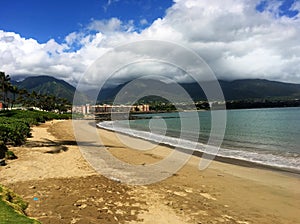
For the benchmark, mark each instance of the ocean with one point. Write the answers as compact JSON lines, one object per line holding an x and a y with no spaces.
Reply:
{"x":263,"y":136}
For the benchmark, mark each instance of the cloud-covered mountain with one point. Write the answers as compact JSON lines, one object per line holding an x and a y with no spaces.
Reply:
{"x":238,"y":39}
{"x":232,"y":90}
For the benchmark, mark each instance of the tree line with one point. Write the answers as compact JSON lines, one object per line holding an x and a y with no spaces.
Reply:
{"x":10,"y":95}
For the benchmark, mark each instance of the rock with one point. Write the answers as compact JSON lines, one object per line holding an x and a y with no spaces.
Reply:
{"x":75,"y":220}
{"x":115,"y":179}
{"x":170,"y":203}
{"x":79,"y":204}
{"x":109,"y":212}
{"x":57,"y":187}
{"x":82,"y":206}
{"x":220,"y":219}
{"x":80,"y":201}
{"x":188,"y":190}
{"x":118,"y":204}
{"x":32,"y":187}
{"x":227,"y":217}
{"x":120,"y":212}
{"x":182,"y":194}
{"x":208,"y":196}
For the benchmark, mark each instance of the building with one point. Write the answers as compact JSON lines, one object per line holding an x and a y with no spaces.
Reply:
{"x":82,"y":109}
{"x":88,"y":109}
{"x":141,"y":108}
{"x":119,"y":108}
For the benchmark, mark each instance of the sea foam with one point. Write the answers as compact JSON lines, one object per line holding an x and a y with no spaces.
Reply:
{"x":283,"y":160}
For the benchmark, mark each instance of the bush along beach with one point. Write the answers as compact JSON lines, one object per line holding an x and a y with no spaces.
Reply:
{"x":15,"y":127}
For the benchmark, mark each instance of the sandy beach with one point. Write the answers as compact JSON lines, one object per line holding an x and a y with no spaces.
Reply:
{"x":61,"y":186}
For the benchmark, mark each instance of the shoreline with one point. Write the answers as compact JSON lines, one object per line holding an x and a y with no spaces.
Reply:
{"x":70,"y":191}
{"x":244,"y":187}
{"x":224,"y":159}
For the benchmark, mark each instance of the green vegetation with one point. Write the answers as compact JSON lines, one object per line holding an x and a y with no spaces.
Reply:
{"x":46,"y":85}
{"x":14,"y":129}
{"x":15,"y":124}
{"x":3,"y":150}
{"x":12,"y":94}
{"x":10,"y":155}
{"x":12,"y":208}
{"x":158,"y":106}
{"x":265,"y":103}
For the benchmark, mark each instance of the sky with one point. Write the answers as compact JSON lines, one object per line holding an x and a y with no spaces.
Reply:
{"x":238,"y":39}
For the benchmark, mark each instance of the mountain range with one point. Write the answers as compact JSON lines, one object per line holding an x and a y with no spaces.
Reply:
{"x":233,"y":90}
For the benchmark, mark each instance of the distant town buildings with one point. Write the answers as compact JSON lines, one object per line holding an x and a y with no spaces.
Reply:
{"x":94,"y":109}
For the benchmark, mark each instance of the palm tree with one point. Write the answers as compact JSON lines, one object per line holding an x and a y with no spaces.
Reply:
{"x":14,"y":90}
{"x":62,"y":105}
{"x":4,"y":84}
{"x":22,"y":96}
{"x":33,"y":98}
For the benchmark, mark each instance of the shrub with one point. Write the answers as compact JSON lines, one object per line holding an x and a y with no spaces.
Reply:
{"x":15,"y":125}
{"x":3,"y":150}
{"x":10,"y":155}
{"x":14,"y":131}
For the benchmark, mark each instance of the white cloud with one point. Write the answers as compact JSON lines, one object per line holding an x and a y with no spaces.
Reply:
{"x":109,"y":2}
{"x":105,"y":26}
{"x":236,"y":40}
{"x":231,"y":36}
{"x":296,"y":6}
{"x":143,"y":22}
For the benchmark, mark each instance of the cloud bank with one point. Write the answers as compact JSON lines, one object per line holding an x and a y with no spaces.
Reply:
{"x":235,"y":39}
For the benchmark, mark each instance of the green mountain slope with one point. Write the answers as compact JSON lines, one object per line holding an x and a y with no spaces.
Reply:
{"x":232,"y":90}
{"x":259,"y":89}
{"x":51,"y":86}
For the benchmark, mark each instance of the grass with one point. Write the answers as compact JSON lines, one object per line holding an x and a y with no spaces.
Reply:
{"x":12,"y":208}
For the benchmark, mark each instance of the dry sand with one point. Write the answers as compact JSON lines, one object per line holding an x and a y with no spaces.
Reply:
{"x":61,"y":187}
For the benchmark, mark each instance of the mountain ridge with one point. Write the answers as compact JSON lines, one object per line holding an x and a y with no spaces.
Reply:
{"x":241,"y":89}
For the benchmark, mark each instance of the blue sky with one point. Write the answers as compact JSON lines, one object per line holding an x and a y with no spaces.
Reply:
{"x":46,"y":19}
{"x":284,"y":9}
{"x":63,"y":38}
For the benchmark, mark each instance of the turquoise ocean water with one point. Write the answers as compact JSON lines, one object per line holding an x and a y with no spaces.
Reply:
{"x":264,"y":136}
